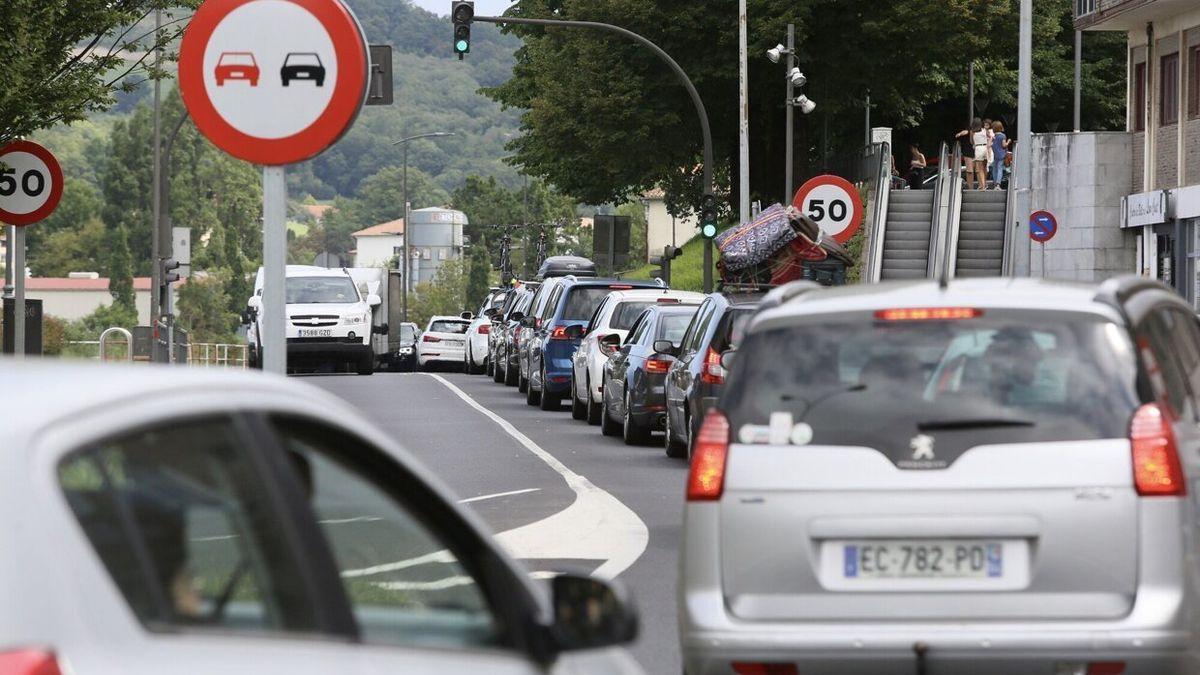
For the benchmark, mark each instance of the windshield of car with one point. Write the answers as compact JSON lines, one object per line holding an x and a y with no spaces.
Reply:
{"x":626,"y":313}
{"x":236,"y":59}
{"x":455,"y":327}
{"x":320,"y":290}
{"x":408,"y":333}
{"x":302,"y":60}
{"x":672,"y":326}
{"x":1032,"y":377}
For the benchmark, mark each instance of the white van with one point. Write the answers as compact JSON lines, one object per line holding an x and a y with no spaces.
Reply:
{"x":328,"y":320}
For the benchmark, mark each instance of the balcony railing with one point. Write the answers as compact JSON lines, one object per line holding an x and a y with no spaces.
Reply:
{"x":1089,"y":12}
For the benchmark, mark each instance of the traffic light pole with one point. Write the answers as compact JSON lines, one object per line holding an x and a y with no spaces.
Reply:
{"x":705,"y":130}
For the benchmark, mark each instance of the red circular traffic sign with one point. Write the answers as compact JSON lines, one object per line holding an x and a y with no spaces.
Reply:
{"x":1042,"y":226}
{"x":833,"y":203}
{"x":31,"y":183}
{"x":274,"y":81}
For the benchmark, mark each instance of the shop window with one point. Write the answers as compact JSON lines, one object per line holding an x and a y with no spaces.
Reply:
{"x":1168,"y":90}
{"x":1139,"y":97}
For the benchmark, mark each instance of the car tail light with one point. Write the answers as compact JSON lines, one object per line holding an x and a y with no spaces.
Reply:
{"x":928,"y":313}
{"x":559,"y":333}
{"x":712,"y":372}
{"x":29,"y":662}
{"x":668,"y":301}
{"x":765,"y":668}
{"x":1156,"y":468}
{"x":658,"y":366}
{"x":620,"y":288}
{"x":431,"y":338}
{"x":484,"y":329}
{"x":706,"y":477}
{"x":1089,"y":668}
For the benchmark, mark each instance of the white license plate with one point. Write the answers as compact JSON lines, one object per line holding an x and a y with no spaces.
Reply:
{"x":316,"y":332}
{"x":922,"y":559}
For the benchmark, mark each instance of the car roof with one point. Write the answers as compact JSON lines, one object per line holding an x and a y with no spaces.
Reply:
{"x":36,"y":393}
{"x":987,"y":293}
{"x":654,"y":293}
{"x":448,"y":318}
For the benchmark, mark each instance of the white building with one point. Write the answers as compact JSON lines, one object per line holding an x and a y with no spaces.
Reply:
{"x":81,"y":294}
{"x":377,"y":245}
{"x":663,"y":229}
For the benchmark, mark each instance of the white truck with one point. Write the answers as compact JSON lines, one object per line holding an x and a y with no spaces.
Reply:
{"x":329,"y":320}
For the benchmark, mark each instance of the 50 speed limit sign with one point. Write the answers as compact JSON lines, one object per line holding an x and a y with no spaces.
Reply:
{"x":31,"y":183}
{"x":833,"y":203}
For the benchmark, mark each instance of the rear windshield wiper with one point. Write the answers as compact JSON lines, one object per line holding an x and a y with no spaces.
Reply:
{"x":973,"y":423}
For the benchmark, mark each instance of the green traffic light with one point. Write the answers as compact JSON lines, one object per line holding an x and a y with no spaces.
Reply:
{"x":461,"y":46}
{"x":709,"y":231}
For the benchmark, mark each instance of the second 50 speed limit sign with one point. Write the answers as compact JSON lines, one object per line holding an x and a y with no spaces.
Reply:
{"x":833,"y":203}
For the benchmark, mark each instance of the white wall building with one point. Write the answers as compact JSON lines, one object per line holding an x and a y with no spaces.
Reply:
{"x":663,"y":229}
{"x":79,"y":295}
{"x":376,"y":246}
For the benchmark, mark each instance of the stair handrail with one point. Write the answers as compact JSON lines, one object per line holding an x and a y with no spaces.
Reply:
{"x":1006,"y":265}
{"x":877,"y":229}
{"x":954,"y":214}
{"x":936,"y":227}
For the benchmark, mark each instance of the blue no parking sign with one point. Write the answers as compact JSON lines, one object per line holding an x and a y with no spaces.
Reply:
{"x":1042,"y":226}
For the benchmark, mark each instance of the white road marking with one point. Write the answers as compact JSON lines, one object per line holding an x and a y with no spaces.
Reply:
{"x":497,"y":495}
{"x":596,"y":526}
{"x":442,"y":556}
{"x":356,"y":519}
{"x":438,"y":585}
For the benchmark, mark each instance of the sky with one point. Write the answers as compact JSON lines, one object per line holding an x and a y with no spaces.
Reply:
{"x":482,"y":7}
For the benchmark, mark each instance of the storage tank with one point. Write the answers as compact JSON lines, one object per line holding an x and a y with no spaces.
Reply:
{"x":437,"y":237}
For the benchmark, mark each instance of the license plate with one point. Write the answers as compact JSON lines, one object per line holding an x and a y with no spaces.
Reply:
{"x":316,"y":332}
{"x":922,"y":559}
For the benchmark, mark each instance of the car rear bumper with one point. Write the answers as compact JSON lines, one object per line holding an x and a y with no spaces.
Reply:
{"x":444,"y":354}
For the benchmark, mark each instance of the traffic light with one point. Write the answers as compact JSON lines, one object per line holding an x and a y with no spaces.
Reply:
{"x":708,"y":217}
{"x":664,"y":263}
{"x":462,"y":12}
{"x":169,"y":271}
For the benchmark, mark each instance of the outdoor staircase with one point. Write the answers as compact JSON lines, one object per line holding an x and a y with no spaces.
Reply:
{"x":980,"y":249}
{"x":906,"y":244}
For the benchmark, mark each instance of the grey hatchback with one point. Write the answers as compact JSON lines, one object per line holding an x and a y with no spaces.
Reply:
{"x":988,"y":478}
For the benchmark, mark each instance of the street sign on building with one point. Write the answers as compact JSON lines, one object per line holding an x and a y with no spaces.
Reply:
{"x":1145,"y":208}
{"x":1042,"y":226}
{"x":833,"y":203}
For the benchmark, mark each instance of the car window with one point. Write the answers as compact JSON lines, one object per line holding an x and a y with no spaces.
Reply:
{"x":407,"y":333}
{"x":594,"y":322}
{"x":626,"y":313}
{"x":404,"y":582}
{"x":453,"y":327}
{"x":731,"y":329}
{"x":320,"y":290}
{"x":672,"y":326}
{"x":552,"y":303}
{"x":181,"y":521}
{"x":639,"y":328}
{"x":702,"y":322}
{"x":689,"y":336}
{"x":582,"y":301}
{"x":1163,"y":363}
{"x":1044,"y":376}
{"x":1185,"y":333}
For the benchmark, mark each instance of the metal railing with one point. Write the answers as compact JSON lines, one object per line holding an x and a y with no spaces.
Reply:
{"x":953,"y":214}
{"x":876,"y":227}
{"x":215,"y":355}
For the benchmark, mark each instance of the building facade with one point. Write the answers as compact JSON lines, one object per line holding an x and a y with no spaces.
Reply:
{"x":1161,"y":211}
{"x":376,"y":246}
{"x":79,"y":295}
{"x":664,"y":229}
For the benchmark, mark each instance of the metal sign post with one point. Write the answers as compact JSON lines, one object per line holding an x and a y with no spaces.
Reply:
{"x":18,"y":246}
{"x":274,"y":270}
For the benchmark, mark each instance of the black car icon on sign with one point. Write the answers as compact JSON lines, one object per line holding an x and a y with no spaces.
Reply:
{"x":304,"y":66}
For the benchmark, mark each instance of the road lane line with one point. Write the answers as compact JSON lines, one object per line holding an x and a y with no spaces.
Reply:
{"x":483,"y":498}
{"x":596,"y":526}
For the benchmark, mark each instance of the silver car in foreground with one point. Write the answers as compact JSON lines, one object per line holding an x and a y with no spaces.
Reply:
{"x":160,"y":520}
{"x":990,"y":478}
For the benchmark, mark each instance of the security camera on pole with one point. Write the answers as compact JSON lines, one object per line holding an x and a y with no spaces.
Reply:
{"x":794,"y":79}
{"x":274,"y":83}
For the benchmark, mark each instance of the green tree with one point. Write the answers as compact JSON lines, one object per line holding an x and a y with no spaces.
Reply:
{"x":204,"y":308}
{"x":67,"y":58}
{"x":80,"y":206}
{"x":445,"y":295}
{"x":120,"y":265}
{"x":77,"y":249}
{"x":479,"y":276}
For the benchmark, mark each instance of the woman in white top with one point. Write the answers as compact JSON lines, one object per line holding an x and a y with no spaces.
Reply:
{"x":977,"y":165}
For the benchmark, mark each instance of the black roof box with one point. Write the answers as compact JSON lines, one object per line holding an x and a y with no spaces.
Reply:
{"x":566,"y":265}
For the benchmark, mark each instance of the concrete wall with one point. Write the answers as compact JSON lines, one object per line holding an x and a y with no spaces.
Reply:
{"x":659,"y":226}
{"x":376,"y":251}
{"x":75,"y":304}
{"x":1080,"y":178}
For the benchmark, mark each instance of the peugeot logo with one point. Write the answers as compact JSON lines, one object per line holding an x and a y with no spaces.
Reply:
{"x":922,"y":447}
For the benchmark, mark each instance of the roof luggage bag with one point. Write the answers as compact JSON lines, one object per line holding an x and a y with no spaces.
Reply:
{"x":566,"y":265}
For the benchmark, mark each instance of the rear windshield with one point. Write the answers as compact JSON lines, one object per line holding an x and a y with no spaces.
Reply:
{"x":626,"y":313}
{"x":582,"y":302}
{"x":732,"y":329}
{"x":673,"y":326}
{"x":1036,"y":377}
{"x":457,"y":327}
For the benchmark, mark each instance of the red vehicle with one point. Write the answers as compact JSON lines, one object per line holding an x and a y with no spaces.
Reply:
{"x":237,"y":66}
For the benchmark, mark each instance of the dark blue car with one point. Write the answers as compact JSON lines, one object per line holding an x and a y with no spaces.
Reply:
{"x":566,"y":306}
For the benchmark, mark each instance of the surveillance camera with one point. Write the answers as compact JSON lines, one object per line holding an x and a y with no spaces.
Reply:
{"x":806,"y":106}
{"x":797,"y":78}
{"x":775,"y":52}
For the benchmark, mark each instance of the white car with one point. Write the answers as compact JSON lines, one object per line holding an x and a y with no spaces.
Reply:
{"x":444,"y":341}
{"x":194,"y":521}
{"x":476,"y":356}
{"x":603,"y":336}
{"x":328,"y":320}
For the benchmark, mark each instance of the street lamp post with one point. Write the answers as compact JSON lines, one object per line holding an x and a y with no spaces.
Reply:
{"x":794,"y":78}
{"x":403,"y":142}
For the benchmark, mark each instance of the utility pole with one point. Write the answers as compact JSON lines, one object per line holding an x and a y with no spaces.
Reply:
{"x":156,"y":199}
{"x":1023,"y":177}
{"x":705,"y":129}
{"x":789,"y":141}
{"x":868,"y":112}
{"x":407,"y":264}
{"x":970,"y":94}
{"x":744,"y":116}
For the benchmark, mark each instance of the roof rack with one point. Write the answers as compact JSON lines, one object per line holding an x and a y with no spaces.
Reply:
{"x":787,"y":292}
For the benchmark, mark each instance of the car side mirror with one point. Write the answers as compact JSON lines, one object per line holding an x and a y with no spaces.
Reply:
{"x":575,"y":332}
{"x":590,"y":614}
{"x":728,"y":358}
{"x":664,"y":347}
{"x":490,"y":312}
{"x":611,"y":342}
{"x":381,"y":329}
{"x":467,"y":315}
{"x":516,"y":316}
{"x":374,"y":300}
{"x":254,"y":303}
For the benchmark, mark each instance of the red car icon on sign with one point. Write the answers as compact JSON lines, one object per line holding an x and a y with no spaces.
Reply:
{"x":237,"y":66}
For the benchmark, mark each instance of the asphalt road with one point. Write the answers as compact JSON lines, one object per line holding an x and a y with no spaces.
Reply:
{"x":518,"y":492}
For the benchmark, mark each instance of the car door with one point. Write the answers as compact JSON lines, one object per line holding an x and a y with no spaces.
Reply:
{"x":544,"y":325}
{"x":679,"y":377}
{"x":426,"y":592}
{"x":618,"y":366}
{"x":579,"y":361}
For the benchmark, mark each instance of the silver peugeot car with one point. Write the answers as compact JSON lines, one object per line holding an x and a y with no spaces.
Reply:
{"x":986,"y":477}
